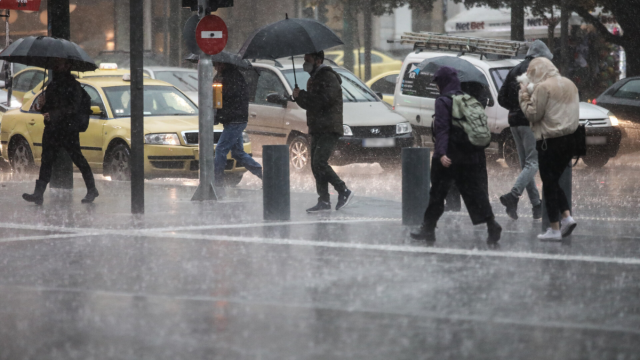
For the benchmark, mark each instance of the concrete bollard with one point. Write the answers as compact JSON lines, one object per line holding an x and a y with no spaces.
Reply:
{"x":565,"y":184}
{"x":416,"y":168}
{"x":276,"y":191}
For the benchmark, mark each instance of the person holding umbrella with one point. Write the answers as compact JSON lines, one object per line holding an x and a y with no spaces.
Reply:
{"x":323,"y":102}
{"x":455,"y":163}
{"x":234,"y":116}
{"x":61,"y":104}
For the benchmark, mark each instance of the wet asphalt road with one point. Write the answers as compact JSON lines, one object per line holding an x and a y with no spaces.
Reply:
{"x":213,"y":281}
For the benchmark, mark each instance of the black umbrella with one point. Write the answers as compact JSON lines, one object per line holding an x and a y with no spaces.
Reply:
{"x":223,"y":57}
{"x":289,"y":37}
{"x":43,"y":51}
{"x":466,"y":71}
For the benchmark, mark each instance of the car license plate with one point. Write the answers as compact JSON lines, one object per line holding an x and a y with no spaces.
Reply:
{"x":596,"y":140}
{"x":384,"y":142}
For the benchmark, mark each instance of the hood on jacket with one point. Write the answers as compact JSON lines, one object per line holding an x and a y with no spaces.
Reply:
{"x":323,"y":67}
{"x":539,"y":49}
{"x":541,"y":69}
{"x":447,"y":80}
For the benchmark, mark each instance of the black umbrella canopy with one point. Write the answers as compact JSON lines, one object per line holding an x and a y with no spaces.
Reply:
{"x":223,"y":57}
{"x":466,"y":71}
{"x":289,"y":37}
{"x":43,"y":51}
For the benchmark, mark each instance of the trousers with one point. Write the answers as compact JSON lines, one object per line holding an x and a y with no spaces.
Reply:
{"x":52,"y":142}
{"x":471,"y":181}
{"x":528,"y":155}
{"x":322,"y":147}
{"x":231,"y":140}
{"x":554,"y":155}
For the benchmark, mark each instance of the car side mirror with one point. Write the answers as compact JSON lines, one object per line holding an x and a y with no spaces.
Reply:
{"x":278,"y":99}
{"x":379,"y":94}
{"x":491,"y":103}
{"x":95,"y":110}
{"x":27,"y":96}
{"x":3,"y":84}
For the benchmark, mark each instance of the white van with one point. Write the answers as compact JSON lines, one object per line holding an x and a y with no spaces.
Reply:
{"x":372,"y":131}
{"x":416,"y":103}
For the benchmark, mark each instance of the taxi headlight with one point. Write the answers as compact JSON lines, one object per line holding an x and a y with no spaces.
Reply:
{"x":347,"y":130}
{"x":245,"y":137}
{"x":162,"y":139}
{"x":613,"y":119}
{"x":403,"y":128}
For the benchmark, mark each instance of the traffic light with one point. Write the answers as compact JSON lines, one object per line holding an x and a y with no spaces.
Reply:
{"x":213,"y":5}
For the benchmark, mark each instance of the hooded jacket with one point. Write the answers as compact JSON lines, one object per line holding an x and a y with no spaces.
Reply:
{"x":63,"y":97}
{"x":508,"y":95}
{"x":323,"y":101}
{"x":235,"y":97}
{"x":553,"y":107}
{"x":447,"y":80}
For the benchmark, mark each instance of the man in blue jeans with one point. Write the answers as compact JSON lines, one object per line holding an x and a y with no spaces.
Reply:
{"x":523,"y":136}
{"x":233,"y":116}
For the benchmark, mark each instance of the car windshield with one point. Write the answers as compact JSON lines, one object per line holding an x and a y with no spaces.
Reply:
{"x":184,"y":80}
{"x":158,"y":101}
{"x":353,"y":90}
{"x":499,"y":75}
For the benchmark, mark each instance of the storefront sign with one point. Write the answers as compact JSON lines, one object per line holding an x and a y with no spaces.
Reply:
{"x":29,"y":5}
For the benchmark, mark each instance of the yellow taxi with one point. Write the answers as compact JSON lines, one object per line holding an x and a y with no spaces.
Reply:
{"x":380,"y":62}
{"x":385,"y":85}
{"x":170,"y":131}
{"x":29,"y":81}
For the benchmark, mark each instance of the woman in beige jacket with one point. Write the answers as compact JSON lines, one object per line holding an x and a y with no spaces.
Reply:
{"x":551,"y":104}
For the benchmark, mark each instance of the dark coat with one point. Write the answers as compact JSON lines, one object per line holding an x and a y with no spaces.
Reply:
{"x":508,"y":95}
{"x":63,"y":100}
{"x":323,"y":101}
{"x":235,"y":97}
{"x":447,"y":80}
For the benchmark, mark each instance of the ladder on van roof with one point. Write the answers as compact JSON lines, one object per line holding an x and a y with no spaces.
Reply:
{"x":436,"y":41}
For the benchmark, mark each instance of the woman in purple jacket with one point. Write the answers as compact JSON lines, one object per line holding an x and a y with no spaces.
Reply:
{"x":452,"y":164}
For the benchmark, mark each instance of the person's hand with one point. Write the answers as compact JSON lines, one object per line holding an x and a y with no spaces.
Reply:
{"x":296,"y":92}
{"x":445,"y":161}
{"x":523,"y":87}
{"x":47,"y":118}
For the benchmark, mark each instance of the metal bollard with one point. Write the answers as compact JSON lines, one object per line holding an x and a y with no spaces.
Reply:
{"x":565,"y":185}
{"x":276,"y":191}
{"x":416,"y":168}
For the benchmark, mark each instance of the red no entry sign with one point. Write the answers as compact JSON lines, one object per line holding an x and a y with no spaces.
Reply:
{"x":211,"y":34}
{"x":30,"y":5}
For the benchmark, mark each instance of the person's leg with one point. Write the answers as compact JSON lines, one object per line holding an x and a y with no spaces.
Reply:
{"x":324,"y":150}
{"x":224,"y":145}
{"x":441,"y":182}
{"x":71,"y":145}
{"x":550,"y":172}
{"x":530,"y":167}
{"x":49,"y":155}
{"x":238,"y":153}
{"x":322,"y":185}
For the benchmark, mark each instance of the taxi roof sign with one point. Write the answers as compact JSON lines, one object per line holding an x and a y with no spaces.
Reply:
{"x":108,"y":66}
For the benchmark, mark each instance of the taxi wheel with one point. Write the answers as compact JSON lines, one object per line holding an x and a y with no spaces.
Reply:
{"x":510,"y":153}
{"x":119,"y":163}
{"x":595,"y":161}
{"x":299,"y":153}
{"x":21,"y":157}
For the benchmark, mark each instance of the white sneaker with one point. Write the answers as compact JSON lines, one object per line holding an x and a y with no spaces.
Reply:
{"x":551,"y":235}
{"x":567,"y":225}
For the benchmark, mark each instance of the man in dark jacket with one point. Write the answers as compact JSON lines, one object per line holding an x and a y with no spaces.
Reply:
{"x":522,"y":135}
{"x":451,"y":164}
{"x":61,"y":104}
{"x":323,"y":102}
{"x":233,"y":116}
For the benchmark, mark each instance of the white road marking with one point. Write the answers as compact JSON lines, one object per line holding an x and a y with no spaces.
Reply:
{"x":46,"y":237}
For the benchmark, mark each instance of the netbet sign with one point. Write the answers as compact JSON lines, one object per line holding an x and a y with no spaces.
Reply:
{"x":469,"y":26}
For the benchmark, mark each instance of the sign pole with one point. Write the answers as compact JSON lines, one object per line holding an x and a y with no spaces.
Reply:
{"x":206,"y":115}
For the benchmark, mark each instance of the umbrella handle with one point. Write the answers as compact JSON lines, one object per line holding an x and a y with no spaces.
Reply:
{"x":295,"y":79}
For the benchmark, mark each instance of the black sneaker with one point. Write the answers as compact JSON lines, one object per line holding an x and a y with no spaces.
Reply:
{"x":321,"y":206}
{"x":424,"y":234}
{"x":344,"y":198}
{"x":494,"y":231}
{"x":537,"y":212}
{"x":511,"y":202}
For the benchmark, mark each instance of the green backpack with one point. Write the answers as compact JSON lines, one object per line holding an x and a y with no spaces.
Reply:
{"x":468,"y":114}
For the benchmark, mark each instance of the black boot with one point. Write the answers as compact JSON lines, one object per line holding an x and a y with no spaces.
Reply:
{"x":36,"y":197}
{"x":511,"y":202}
{"x":92,"y":194}
{"x":426,"y":233}
{"x":494,"y":230}
{"x":537,"y":212}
